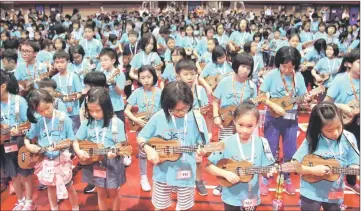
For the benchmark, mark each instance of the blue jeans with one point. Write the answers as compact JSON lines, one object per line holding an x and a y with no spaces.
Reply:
{"x":309,"y":204}
{"x":276,"y":127}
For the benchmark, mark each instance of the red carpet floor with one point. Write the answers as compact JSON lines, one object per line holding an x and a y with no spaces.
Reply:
{"x":133,"y":198}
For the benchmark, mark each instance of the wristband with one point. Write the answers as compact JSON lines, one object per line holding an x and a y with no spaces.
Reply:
{"x":215,"y":117}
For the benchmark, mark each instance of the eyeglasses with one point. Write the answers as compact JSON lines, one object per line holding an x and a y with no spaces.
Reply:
{"x":184,"y":111}
{"x":26,"y":52}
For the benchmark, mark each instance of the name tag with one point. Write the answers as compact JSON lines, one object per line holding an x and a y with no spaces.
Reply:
{"x":184,"y":174}
{"x":10,"y":147}
{"x":100,"y":172}
{"x":249,"y":202}
{"x":337,"y":194}
{"x":290,"y":116}
{"x":50,"y":170}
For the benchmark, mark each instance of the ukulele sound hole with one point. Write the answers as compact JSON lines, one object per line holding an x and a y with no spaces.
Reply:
{"x":91,"y":151}
{"x":23,"y":157}
{"x":284,"y":104}
{"x":167,"y":150}
{"x":310,"y":164}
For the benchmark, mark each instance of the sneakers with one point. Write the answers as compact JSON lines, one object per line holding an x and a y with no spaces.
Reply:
{"x":42,"y":187}
{"x":144,"y":183}
{"x":29,"y":206}
{"x":289,"y":187}
{"x":127,"y":161}
{"x":217,"y":191}
{"x":354,"y":188}
{"x":201,"y":188}
{"x":19,"y":206}
{"x":264,"y":186}
{"x":89,"y":188}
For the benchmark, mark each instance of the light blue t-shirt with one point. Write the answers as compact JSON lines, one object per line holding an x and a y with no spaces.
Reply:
{"x":273,"y":85}
{"x":206,"y":57}
{"x":236,"y":194}
{"x":117,"y":100}
{"x":142,"y":58}
{"x":202,"y":46}
{"x":212,"y":69}
{"x":354,"y":44}
{"x":145,"y":102}
{"x":240,"y":38}
{"x":313,"y":56}
{"x":326,"y":65}
{"x":222,"y":40}
{"x":44,"y":56}
{"x":89,"y":132}
{"x":230,"y":91}
{"x":258,"y":65}
{"x":68,"y":84}
{"x":79,"y":69}
{"x":24,"y":72}
{"x":56,"y":133}
{"x":341,"y":88}
{"x":159,"y":126}
{"x":200,"y":97}
{"x":168,"y":55}
{"x":169,"y":73}
{"x":314,"y":26}
{"x":327,"y":149}
{"x":320,"y":35}
{"x":15,"y":34}
{"x":8,"y":114}
{"x":124,"y":39}
{"x":306,"y":36}
{"x":91,"y":47}
{"x":189,"y":42}
{"x":333,"y":39}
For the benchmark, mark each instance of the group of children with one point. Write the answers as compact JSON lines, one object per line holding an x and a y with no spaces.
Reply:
{"x":85,"y":87}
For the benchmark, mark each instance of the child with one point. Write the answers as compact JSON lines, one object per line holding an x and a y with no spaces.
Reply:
{"x":186,"y":71}
{"x":92,"y":47}
{"x":68,"y":83}
{"x":327,"y":138}
{"x":321,"y":32}
{"x":242,"y":146}
{"x":222,"y":38}
{"x":50,"y":85}
{"x":306,"y":35}
{"x":129,"y":26}
{"x":45,"y":55}
{"x":170,"y":46}
{"x":219,"y":66}
{"x":173,"y":122}
{"x":285,"y":80}
{"x":344,"y":89}
{"x":59,"y":44}
{"x":113,"y":42}
{"x":206,"y":58}
{"x":147,"y":98}
{"x":78,"y":63}
{"x":9,"y":60}
{"x":77,"y":32}
{"x":133,"y":46}
{"x":54,"y":126}
{"x":251,"y":48}
{"x":189,"y":42}
{"x":239,"y":38}
{"x":331,"y":37}
{"x":203,"y":43}
{"x":169,"y":73}
{"x":109,"y":64}
{"x":327,"y":65}
{"x":148,"y":56}
{"x":102,"y":127}
{"x":13,"y":112}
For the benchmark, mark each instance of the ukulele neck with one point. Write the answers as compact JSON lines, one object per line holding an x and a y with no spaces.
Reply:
{"x":345,"y":170}
{"x":96,"y":152}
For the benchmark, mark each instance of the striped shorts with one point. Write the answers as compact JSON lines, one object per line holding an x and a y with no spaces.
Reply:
{"x":161,"y":196}
{"x":226,"y":131}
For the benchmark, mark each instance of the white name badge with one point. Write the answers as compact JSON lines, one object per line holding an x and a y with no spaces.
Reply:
{"x":184,"y":174}
{"x":249,"y":202}
{"x":10,"y":147}
{"x":290,"y":116}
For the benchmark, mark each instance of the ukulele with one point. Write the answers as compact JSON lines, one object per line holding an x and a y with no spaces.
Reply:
{"x":213,"y":80}
{"x":307,"y":65}
{"x":97,"y":151}
{"x":287,"y":102}
{"x":110,"y":79}
{"x":226,"y":113}
{"x":245,"y":170}
{"x":335,"y":167}
{"x":67,"y":98}
{"x":28,"y":160}
{"x":6,"y":131}
{"x":29,"y":83}
{"x":324,"y":77}
{"x":146,"y":115}
{"x":355,"y":108}
{"x":172,"y":150}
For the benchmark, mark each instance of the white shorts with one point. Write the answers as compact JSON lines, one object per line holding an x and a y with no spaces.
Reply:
{"x":161,"y":196}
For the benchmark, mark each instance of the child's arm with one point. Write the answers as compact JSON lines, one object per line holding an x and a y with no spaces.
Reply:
{"x":319,"y":170}
{"x":130,"y":115}
{"x":275,"y":107}
{"x":33,"y":148}
{"x":228,"y":175}
{"x":204,"y":83}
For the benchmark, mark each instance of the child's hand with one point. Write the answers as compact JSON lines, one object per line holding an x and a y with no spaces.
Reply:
{"x":83,"y":155}
{"x":321,"y":170}
{"x":231,"y":177}
{"x":271,"y":172}
{"x":209,"y":91}
{"x":345,"y":109}
{"x":111,"y":154}
{"x":15,"y":132}
{"x":140,"y":122}
{"x":201,"y":151}
{"x":33,"y":148}
{"x":152,"y":155}
{"x":218,"y":122}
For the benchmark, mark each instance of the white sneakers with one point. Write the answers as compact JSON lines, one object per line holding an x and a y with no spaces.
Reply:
{"x":127,"y":160}
{"x":144,"y":183}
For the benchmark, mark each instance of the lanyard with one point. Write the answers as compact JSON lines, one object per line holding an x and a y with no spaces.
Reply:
{"x":242,"y":38}
{"x":76,"y":69}
{"x":330,"y":68}
{"x":86,"y":47}
{"x":220,"y":39}
{"x":135,"y":49}
{"x":148,"y":61}
{"x":9,"y":106}
{"x":146,"y":101}
{"x":330,"y":148}
{"x":67,"y":81}
{"x":35,"y":70}
{"x":285,"y":84}
{"x":97,"y":133}
{"x":353,"y":87}
{"x":235,"y":92}
{"x":184,"y":128}
{"x":224,"y":69}
{"x":52,"y":127}
{"x":189,"y":42}
{"x":241,"y":150}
